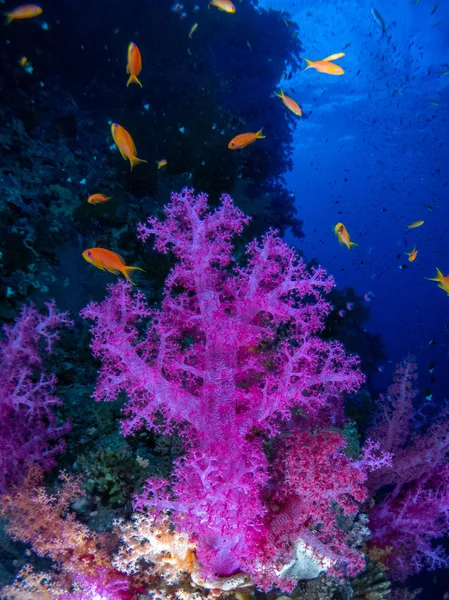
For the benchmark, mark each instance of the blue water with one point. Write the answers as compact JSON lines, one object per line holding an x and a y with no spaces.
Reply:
{"x":372,"y":155}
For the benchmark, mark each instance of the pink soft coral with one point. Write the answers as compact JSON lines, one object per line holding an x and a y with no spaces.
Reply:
{"x":29,"y":431}
{"x":232,"y":350}
{"x":414,"y":509}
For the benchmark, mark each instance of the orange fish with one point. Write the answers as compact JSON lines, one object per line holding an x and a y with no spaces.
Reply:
{"x":343,"y":236}
{"x":26,"y":11}
{"x":412,"y":255}
{"x":244,"y":139}
{"x":290,"y":104}
{"x":134,"y":66}
{"x":326,"y":65}
{"x":98,"y":199}
{"x":106,"y":260}
{"x":415,"y":224}
{"x":223,"y":5}
{"x":125,"y":144}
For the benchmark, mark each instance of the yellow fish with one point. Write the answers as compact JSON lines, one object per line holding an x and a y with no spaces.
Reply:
{"x":412,"y":255}
{"x":223,"y":5}
{"x":326,"y":65}
{"x":343,"y":236}
{"x":415,"y":224}
{"x":290,"y":104}
{"x":443,"y":281}
{"x":161,"y":163}
{"x":192,"y":31}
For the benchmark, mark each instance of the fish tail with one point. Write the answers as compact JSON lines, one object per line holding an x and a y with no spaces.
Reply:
{"x":308,"y":62}
{"x":281,"y":95}
{"x":351,"y":244}
{"x":128,"y":270}
{"x":438,"y":277}
{"x":133,"y":79}
{"x":259,"y":134}
{"x":133,"y":161}
{"x":8,"y":18}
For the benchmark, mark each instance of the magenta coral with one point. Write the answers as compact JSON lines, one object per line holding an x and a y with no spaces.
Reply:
{"x":413,"y":506}
{"x":232,"y":350}
{"x":29,"y":431}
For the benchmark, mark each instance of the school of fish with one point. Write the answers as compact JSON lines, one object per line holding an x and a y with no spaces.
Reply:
{"x":113,"y":262}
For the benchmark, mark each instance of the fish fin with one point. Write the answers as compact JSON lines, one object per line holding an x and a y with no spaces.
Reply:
{"x":259,"y":134}
{"x":133,"y":79}
{"x":332,"y":57}
{"x":281,"y":95}
{"x":133,"y":161}
{"x":309,"y":63}
{"x":127,"y":69}
{"x":351,"y":244}
{"x":8,"y":18}
{"x":111,"y":270}
{"x":127,"y":270}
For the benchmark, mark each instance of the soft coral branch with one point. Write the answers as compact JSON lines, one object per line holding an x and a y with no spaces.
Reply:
{"x":231,"y":351}
{"x":29,"y":431}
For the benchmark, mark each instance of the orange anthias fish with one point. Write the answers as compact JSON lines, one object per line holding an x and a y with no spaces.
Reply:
{"x":343,"y":236}
{"x":223,"y":5}
{"x":244,"y":139}
{"x":443,"y":281}
{"x":106,"y":260}
{"x":412,"y":255}
{"x":125,"y":144}
{"x":326,"y":65}
{"x":290,"y":104}
{"x":134,"y":66}
{"x":98,"y":199}
{"x":415,"y":224}
{"x":26,"y":11}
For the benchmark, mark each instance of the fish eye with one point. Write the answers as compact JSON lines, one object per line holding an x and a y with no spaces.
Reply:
{"x":89,"y":253}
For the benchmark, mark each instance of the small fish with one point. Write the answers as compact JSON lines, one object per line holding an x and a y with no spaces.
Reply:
{"x":434,"y":9}
{"x":248,"y":44}
{"x":431,"y":368}
{"x":193,"y":29}
{"x":244,"y":139}
{"x":134,"y":66}
{"x":223,"y":5}
{"x":125,"y":144}
{"x":106,"y":260}
{"x":326,"y":65}
{"x":443,"y":281}
{"x":434,"y":102}
{"x":412,"y":255}
{"x":26,"y":65}
{"x":415,"y":224}
{"x":429,"y":207}
{"x":98,"y":199}
{"x":26,"y":11}
{"x":161,"y":163}
{"x":290,"y":104}
{"x":445,"y":73}
{"x":402,"y":267}
{"x":343,"y":236}
{"x":432,"y":343}
{"x":427,"y":395}
{"x":379,"y":20}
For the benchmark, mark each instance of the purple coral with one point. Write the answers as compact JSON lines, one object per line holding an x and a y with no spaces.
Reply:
{"x":29,"y":432}
{"x":413,"y":506}
{"x":232,"y":350}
